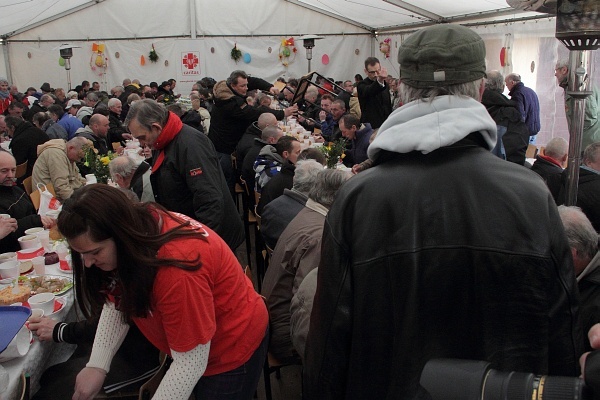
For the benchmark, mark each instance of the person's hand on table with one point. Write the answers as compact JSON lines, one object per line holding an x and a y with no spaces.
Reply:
{"x":42,"y":327}
{"x":88,"y":383}
{"x":318,"y":138}
{"x":48,"y":222}
{"x":7,"y":226}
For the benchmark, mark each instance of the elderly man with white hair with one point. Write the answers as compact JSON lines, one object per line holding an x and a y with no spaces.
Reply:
{"x":550,"y":164}
{"x":122,"y":169}
{"x":116,"y":130}
{"x":297,"y":252}
{"x":583,"y":240}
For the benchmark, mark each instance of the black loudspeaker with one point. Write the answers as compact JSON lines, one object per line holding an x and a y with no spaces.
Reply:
{"x":578,"y":24}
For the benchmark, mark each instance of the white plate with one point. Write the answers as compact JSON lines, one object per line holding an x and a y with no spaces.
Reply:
{"x":54,"y":276}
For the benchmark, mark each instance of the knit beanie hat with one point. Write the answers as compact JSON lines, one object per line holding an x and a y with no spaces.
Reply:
{"x":441,"y":55}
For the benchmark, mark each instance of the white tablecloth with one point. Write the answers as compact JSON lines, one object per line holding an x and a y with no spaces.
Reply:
{"x":41,"y":355}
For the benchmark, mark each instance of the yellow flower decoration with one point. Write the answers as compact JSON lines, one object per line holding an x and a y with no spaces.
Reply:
{"x":105,"y":160}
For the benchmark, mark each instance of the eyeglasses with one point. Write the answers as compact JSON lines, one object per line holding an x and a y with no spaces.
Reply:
{"x":373,"y":72}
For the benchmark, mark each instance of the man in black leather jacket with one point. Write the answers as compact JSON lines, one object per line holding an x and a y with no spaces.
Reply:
{"x":441,"y":250}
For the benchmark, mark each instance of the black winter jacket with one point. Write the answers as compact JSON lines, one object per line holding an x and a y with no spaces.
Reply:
{"x":505,"y":113}
{"x":451,"y":254}
{"x":24,"y":145}
{"x":15,"y":202}
{"x":231,"y":115}
{"x":190,"y":181}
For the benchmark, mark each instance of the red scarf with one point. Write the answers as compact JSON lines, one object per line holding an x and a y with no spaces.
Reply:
{"x":168,"y":133}
{"x":550,"y":160}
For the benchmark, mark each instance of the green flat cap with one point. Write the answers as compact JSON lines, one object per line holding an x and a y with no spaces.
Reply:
{"x":441,"y":55}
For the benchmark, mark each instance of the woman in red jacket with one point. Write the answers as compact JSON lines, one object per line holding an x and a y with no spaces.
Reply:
{"x":178,"y":282}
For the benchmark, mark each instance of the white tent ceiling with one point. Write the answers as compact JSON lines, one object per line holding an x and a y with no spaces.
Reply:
{"x":17,"y":16}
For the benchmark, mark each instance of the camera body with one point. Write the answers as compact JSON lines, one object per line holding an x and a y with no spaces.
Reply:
{"x":454,"y":379}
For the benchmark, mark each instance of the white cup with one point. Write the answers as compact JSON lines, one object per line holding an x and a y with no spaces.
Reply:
{"x":28,"y":242}
{"x":4,"y":257}
{"x":9,"y":269}
{"x":33,"y":231}
{"x":44,"y":237}
{"x":62,"y":252}
{"x":90,"y":178}
{"x":39,"y":265}
{"x":36,"y":313}
{"x":43,"y":301}
{"x":5,"y":216}
{"x":18,"y":347}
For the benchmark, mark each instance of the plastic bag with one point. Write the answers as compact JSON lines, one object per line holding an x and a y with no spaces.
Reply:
{"x":47,"y":201}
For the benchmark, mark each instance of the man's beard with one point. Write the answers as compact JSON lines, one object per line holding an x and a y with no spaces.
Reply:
{"x":9,"y":182}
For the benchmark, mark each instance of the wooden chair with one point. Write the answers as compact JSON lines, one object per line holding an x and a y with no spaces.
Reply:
{"x":24,"y":387}
{"x":532,"y":151}
{"x":21,"y":170}
{"x":28,"y":185}
{"x":35,"y":195}
{"x":243,"y":197}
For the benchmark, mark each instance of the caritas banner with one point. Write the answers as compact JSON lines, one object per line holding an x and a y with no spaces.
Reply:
{"x":190,"y":64}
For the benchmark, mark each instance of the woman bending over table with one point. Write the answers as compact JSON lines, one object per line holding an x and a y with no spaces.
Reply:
{"x":178,"y":282}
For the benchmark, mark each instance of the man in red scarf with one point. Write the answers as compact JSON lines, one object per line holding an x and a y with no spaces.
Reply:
{"x":550,"y":165}
{"x":186,"y":175}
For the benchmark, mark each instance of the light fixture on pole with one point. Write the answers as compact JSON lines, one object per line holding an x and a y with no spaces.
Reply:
{"x":579,"y":31}
{"x":66,"y":52}
{"x":308,"y":41}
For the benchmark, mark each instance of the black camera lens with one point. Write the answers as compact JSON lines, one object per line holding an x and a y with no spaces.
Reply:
{"x":449,"y":379}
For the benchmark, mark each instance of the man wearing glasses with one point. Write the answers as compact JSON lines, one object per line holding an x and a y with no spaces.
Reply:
{"x":374,"y":94}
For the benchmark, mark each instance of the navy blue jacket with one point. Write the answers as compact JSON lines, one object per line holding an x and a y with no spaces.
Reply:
{"x":529,"y":106}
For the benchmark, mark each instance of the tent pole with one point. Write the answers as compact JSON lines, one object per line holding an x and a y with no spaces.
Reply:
{"x":579,"y":78}
{"x":193,"y":18}
{"x":6,"y":60}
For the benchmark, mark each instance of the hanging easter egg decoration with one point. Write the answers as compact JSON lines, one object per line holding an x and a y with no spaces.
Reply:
{"x":325,"y":59}
{"x":61,"y":61}
{"x":98,"y":59}
{"x":385,"y":47}
{"x":287,"y":51}
{"x":247,"y":58}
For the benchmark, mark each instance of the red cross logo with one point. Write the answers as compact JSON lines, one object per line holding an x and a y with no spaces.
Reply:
{"x":190,"y":60}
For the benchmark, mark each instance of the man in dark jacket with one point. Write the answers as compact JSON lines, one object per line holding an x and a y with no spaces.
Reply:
{"x":96,"y":132}
{"x":24,"y":143}
{"x":16,"y":203}
{"x":415,"y":265}
{"x":232,"y":115}
{"x":550,"y":164}
{"x":526,"y":101}
{"x":588,"y":189}
{"x":254,"y":131}
{"x":585,"y":248}
{"x":189,"y":182}
{"x":40,"y":105}
{"x":269,"y":136}
{"x":513,"y":135}
{"x":374,"y":94}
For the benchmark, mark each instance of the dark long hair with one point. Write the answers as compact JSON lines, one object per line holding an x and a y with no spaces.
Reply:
{"x":106,"y":213}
